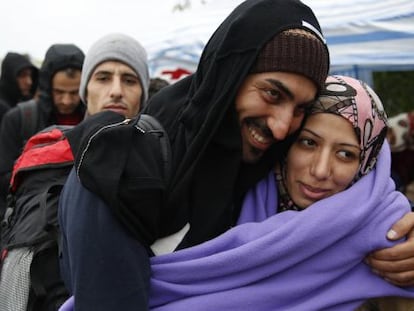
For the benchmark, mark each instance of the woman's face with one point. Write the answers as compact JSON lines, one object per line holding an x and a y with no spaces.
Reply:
{"x":323,"y":160}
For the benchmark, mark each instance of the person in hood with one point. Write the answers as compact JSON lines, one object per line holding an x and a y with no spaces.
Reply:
{"x":18,"y":81}
{"x":58,"y":103}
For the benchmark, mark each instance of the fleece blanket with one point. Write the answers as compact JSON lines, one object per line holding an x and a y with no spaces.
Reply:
{"x":308,"y":260}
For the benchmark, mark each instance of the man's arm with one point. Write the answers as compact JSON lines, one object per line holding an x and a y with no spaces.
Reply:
{"x":102,"y":265}
{"x":396,"y":264}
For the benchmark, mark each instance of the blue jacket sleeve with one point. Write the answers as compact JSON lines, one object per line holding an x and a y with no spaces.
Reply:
{"x":103,"y":266}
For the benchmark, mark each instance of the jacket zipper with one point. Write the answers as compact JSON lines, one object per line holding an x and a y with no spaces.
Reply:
{"x":126,"y":121}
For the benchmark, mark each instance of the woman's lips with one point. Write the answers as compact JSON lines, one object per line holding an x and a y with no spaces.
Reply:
{"x":313,"y":193}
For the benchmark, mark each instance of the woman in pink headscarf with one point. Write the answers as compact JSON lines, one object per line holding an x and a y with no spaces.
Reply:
{"x":337,"y":145}
{"x":301,"y":247}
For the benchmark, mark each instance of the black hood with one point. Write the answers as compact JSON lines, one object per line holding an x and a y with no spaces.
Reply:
{"x":57,"y":58}
{"x":12,"y":64}
{"x":200,"y":118}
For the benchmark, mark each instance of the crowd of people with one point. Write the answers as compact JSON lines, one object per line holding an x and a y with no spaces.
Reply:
{"x":279,"y":173}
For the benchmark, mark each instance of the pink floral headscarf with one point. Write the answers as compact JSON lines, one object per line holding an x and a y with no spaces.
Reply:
{"x":355,"y":101}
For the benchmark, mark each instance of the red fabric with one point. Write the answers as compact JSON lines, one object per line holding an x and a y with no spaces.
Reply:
{"x":42,"y":150}
{"x":177,"y":73}
{"x":4,"y":253}
{"x":68,"y":119}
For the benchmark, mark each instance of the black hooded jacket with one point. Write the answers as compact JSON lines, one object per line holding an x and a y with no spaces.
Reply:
{"x":11,"y":66}
{"x":209,"y":178}
{"x":58,"y":57}
{"x":10,"y":93}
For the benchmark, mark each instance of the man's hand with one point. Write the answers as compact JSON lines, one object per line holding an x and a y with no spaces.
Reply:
{"x":396,"y":264}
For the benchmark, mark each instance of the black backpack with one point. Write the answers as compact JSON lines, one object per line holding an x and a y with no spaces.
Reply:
{"x":29,"y":117}
{"x":31,"y":215}
{"x":30,"y":220}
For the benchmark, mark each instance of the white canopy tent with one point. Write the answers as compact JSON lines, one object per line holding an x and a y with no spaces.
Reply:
{"x":362,"y":35}
{"x":367,"y":35}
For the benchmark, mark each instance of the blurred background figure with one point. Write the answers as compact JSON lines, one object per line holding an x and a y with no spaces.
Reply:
{"x":156,"y":84}
{"x":401,"y":138}
{"x":18,"y":81}
{"x":58,"y":103}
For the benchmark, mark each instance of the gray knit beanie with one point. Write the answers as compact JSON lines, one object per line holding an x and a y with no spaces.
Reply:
{"x":116,"y":47}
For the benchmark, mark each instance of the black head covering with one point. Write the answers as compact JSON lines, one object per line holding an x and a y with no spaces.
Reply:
{"x":13,"y":63}
{"x":199,"y":115}
{"x":58,"y":57}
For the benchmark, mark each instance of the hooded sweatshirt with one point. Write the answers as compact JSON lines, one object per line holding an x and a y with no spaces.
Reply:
{"x":198,"y":113}
{"x":58,"y":57}
{"x":10,"y":93}
{"x":11,"y":66}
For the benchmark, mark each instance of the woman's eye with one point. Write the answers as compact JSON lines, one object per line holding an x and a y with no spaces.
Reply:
{"x":347,"y":155}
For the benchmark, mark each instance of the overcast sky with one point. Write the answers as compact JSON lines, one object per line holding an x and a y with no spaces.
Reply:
{"x":32,"y":26}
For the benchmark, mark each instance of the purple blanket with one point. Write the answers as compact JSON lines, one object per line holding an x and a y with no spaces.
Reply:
{"x":308,"y":260}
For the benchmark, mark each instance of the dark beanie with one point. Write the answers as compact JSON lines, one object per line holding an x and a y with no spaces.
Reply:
{"x":297,"y":51}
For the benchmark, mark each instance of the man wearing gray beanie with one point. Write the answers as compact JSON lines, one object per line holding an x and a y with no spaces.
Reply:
{"x":115,"y":56}
{"x":115,"y":78}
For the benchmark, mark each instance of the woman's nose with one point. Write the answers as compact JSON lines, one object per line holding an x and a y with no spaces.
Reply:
{"x":321,"y":166}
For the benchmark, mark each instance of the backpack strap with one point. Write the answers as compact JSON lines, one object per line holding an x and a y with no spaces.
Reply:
{"x":28,"y":114}
{"x":147,"y":123}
